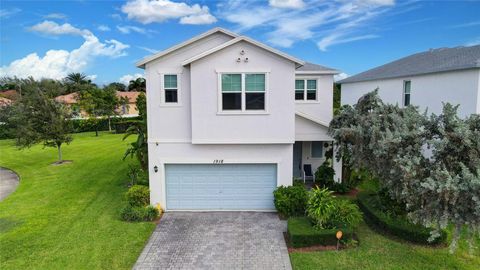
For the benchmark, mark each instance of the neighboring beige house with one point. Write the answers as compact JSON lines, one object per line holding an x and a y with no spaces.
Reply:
{"x":5,"y":102}
{"x":129,"y":110}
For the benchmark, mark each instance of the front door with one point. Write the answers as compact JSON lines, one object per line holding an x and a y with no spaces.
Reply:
{"x":297,"y":159}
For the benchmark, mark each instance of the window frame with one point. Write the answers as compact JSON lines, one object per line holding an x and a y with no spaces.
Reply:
{"x":404,"y":93}
{"x":163,"y":90}
{"x":243,"y":92}
{"x":305,"y":80}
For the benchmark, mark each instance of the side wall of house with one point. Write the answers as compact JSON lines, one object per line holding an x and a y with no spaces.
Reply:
{"x":427,"y":91}
{"x":322,"y":108}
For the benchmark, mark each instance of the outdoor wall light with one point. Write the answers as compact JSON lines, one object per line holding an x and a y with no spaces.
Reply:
{"x":242,"y":52}
{"x":246,"y":60}
{"x":155,"y":168}
{"x":238,"y":60}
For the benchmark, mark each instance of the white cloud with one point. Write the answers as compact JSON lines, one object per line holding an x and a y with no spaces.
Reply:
{"x":52,"y":28}
{"x":340,"y":76}
{"x":150,"y":50}
{"x":56,"y":64}
{"x":55,"y":16}
{"x":6,"y":13}
{"x":150,"y":11}
{"x":92,"y":77}
{"x":127,"y":29}
{"x":103,"y":28}
{"x":116,"y":16}
{"x":325,"y":22}
{"x":287,"y":3}
{"x":125,"y":79}
{"x":469,"y":24}
{"x":473,"y":42}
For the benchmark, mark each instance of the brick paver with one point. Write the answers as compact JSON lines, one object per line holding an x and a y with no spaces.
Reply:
{"x":216,"y":240}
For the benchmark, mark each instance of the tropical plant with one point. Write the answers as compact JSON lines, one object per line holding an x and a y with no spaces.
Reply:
{"x":139,"y":84}
{"x":139,"y":148}
{"x":320,"y":207}
{"x":429,"y":164}
{"x":346,"y":215}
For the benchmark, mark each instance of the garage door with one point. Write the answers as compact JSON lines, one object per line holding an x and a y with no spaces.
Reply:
{"x":220,"y":187}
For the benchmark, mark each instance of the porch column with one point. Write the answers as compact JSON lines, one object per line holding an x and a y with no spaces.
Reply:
{"x":337,"y":166}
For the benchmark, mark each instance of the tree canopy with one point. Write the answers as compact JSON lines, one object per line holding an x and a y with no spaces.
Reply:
{"x":431,"y":164}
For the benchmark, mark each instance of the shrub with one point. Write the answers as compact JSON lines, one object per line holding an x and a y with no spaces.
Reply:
{"x":301,"y":233}
{"x":290,"y":201}
{"x":138,"y":213}
{"x":137,"y":175}
{"x":324,"y":174}
{"x":320,"y":207}
{"x":341,"y":188}
{"x":395,"y":225}
{"x":326,"y":212}
{"x":138,"y":195}
{"x":122,"y":126}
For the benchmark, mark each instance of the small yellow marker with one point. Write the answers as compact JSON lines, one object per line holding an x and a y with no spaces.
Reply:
{"x":339,"y":236}
{"x":159,"y":207}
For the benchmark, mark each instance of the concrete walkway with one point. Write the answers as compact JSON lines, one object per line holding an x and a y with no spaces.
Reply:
{"x":217,"y":240}
{"x":8,"y":182}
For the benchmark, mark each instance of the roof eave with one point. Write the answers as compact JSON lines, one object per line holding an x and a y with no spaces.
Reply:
{"x":327,"y":72}
{"x":144,"y":61}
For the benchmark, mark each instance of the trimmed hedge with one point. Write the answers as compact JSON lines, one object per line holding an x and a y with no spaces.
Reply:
{"x":86,"y":125}
{"x":397,"y":226}
{"x":302,"y":234}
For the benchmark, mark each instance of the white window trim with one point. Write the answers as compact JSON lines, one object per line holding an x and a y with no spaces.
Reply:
{"x":403,"y":93}
{"x":311,"y":151}
{"x":305,"y":100}
{"x":162,"y":90}
{"x":243,"y":110}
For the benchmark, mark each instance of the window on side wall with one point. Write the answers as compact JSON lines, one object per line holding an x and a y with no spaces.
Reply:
{"x":170,"y":87}
{"x":317,"y":149}
{"x":406,"y":92}
{"x":306,"y":89}
{"x":243,"y":92}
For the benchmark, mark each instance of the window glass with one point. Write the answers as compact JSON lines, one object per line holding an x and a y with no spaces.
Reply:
{"x":311,"y":89}
{"x":170,"y":81}
{"x":406,"y":92}
{"x":255,"y":82}
{"x":231,"y":101}
{"x":231,"y":82}
{"x":317,"y":149}
{"x":299,"y":89}
{"x":255,"y":101}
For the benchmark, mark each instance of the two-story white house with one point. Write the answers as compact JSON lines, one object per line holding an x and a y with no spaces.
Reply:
{"x":230,"y":119}
{"x":425,"y":79}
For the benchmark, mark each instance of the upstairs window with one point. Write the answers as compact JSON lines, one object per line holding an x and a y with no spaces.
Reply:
{"x":243,"y":92}
{"x":406,"y":92}
{"x":306,"y":90}
{"x":170,"y":87}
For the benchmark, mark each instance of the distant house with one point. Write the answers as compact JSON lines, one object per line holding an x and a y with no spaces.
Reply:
{"x":5,"y":102}
{"x":424,"y":79}
{"x":10,"y":94}
{"x":127,"y":110}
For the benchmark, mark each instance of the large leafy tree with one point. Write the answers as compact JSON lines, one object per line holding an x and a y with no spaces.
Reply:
{"x":36,"y":118}
{"x":430,"y":164}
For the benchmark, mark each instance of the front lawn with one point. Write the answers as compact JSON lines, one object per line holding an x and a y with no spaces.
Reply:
{"x":66,"y":217}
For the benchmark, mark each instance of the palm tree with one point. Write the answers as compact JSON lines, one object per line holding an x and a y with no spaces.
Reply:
{"x":76,"y":78}
{"x":137,"y":85}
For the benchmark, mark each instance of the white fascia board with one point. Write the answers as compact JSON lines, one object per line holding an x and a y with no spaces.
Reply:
{"x":332,"y":72}
{"x":141,"y":63}
{"x":311,"y":118}
{"x":249,"y":40}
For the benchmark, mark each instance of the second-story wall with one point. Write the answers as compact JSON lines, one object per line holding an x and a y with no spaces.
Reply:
{"x":212,"y":125}
{"x":167,"y":122}
{"x":322,"y":108}
{"x":427,"y":91}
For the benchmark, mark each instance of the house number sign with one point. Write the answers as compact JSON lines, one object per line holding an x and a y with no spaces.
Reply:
{"x":218,"y":161}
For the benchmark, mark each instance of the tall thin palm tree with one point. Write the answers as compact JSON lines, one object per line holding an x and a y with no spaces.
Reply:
{"x":76,"y":78}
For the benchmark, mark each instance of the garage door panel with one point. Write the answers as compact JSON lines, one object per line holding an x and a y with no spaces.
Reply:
{"x":220,"y":187}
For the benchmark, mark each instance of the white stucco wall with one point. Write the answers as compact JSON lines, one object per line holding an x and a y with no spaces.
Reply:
{"x":177,"y":153}
{"x":322,"y":108}
{"x":427,"y":91}
{"x":210,"y":125}
{"x":167,"y":122}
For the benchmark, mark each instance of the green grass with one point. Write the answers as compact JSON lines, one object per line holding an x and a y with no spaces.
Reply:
{"x":66,"y":217}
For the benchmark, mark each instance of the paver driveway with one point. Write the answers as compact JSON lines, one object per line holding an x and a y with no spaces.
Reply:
{"x":216,"y":240}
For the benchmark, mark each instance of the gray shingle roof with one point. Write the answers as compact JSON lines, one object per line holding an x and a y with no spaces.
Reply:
{"x":316,"y":68}
{"x":431,"y":61}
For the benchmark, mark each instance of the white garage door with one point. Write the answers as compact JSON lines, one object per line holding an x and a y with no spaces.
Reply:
{"x":220,"y":187}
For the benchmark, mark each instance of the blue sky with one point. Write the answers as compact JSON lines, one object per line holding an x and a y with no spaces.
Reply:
{"x":105,"y":38}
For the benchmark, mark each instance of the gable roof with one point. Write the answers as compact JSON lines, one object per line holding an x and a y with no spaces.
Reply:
{"x":246,"y":39}
{"x":311,"y":68}
{"x":313,"y":119}
{"x":141,"y":63}
{"x":431,"y":61}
